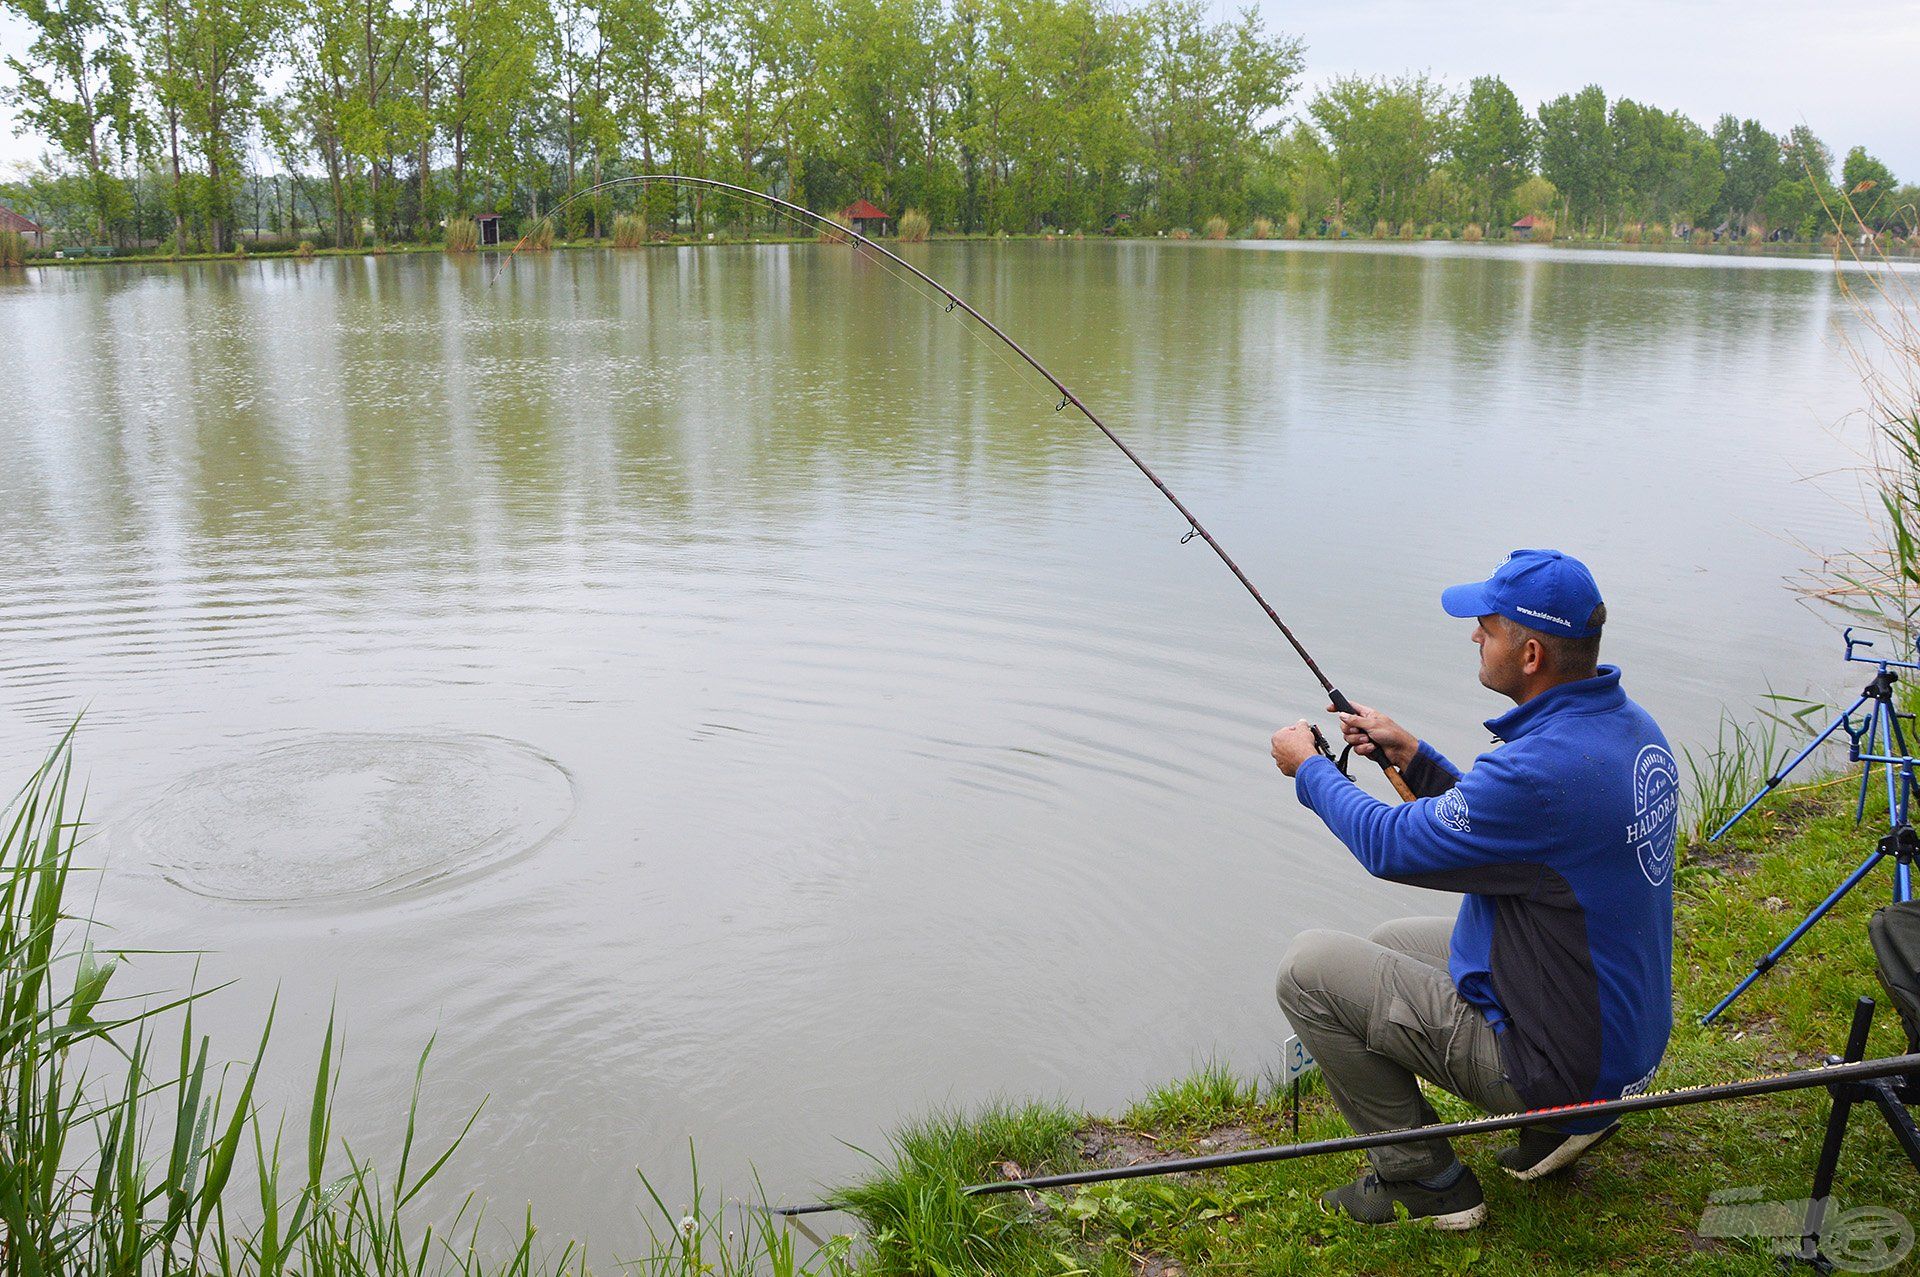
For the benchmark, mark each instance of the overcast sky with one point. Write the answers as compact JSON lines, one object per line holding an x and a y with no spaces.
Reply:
{"x":1848,"y":68}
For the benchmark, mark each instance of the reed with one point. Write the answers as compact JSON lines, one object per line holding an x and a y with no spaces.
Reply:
{"x":1631,"y":233}
{"x":1406,"y":230}
{"x":1724,"y":777}
{"x":1215,"y":228}
{"x":835,"y":230}
{"x":1263,"y":228}
{"x":629,"y":230}
{"x":539,"y":237}
{"x":1755,"y":236}
{"x":1382,"y":229}
{"x":1179,"y":232}
{"x":463,"y":235}
{"x":1473,"y":234}
{"x":1292,"y":225}
{"x":914,"y":227}
{"x":305,"y":252}
{"x":1657,"y":233}
{"x":1701,"y":237}
{"x":13,"y":249}
{"x":1544,"y":230}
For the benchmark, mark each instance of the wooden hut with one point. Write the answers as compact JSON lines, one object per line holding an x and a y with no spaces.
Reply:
{"x":489,"y":229}
{"x":34,"y":233}
{"x":1523,"y":229}
{"x":864,"y":218}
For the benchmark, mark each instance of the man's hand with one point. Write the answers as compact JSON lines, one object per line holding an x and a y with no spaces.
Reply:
{"x":1369,"y":730}
{"x":1293,"y":746}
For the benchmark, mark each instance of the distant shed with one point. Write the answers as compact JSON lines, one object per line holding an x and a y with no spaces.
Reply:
{"x":489,"y":229}
{"x":864,"y":218}
{"x":1523,"y":229}
{"x":35,"y":233}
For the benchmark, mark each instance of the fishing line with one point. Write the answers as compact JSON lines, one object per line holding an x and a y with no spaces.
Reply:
{"x":1195,"y":528}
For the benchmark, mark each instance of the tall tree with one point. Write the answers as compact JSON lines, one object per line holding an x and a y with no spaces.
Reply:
{"x":1576,"y":150}
{"x":76,"y":88}
{"x":1493,"y":147}
{"x":219,"y":51}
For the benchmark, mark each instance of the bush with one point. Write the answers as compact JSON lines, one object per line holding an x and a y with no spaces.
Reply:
{"x":13,"y":248}
{"x":1216,"y":227}
{"x":1701,"y":237}
{"x":1755,"y":236}
{"x":1180,"y":232}
{"x":1381,"y":230}
{"x":305,"y":251}
{"x":1543,"y":230}
{"x":1293,"y":226}
{"x":1656,"y":233}
{"x":914,"y":227}
{"x":539,"y":237}
{"x":1473,"y":234}
{"x":1438,"y":231}
{"x":629,"y":230}
{"x":1263,"y":228}
{"x":1406,"y":230}
{"x":240,"y":250}
{"x":463,"y":235}
{"x":1630,"y":233}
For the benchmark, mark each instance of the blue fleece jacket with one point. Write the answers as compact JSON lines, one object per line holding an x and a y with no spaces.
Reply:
{"x":1562,"y":841}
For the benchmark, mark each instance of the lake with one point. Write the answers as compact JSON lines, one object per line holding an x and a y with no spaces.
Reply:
{"x":722,"y":699}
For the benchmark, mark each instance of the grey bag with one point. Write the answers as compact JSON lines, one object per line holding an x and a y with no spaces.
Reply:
{"x":1895,"y":932}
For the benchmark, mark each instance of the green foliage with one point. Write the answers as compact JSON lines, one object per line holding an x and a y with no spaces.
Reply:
{"x":1210,"y":1096}
{"x":1577,"y":149}
{"x":13,"y":249}
{"x":1494,"y":145}
{"x":1385,"y":138}
{"x":1215,"y":228}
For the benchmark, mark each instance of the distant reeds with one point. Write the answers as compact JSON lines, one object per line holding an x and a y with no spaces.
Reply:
{"x":1382,"y":229}
{"x":539,"y":237}
{"x":463,"y":235}
{"x":1701,"y":237}
{"x":1473,"y":234}
{"x":13,"y":249}
{"x":1215,"y":228}
{"x":835,"y":229}
{"x":1756,"y":236}
{"x":1631,"y":232}
{"x":305,"y":252}
{"x":1656,"y":233}
{"x":1544,"y":230}
{"x":914,"y":227}
{"x":1179,"y":232}
{"x":1406,"y":230}
{"x":1263,"y":228}
{"x":629,"y":230}
{"x":1292,"y":225}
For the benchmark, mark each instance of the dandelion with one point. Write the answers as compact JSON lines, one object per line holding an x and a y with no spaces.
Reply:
{"x":688,"y":1226}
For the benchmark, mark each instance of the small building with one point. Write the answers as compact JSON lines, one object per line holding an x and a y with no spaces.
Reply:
{"x":35,"y":233}
{"x":1523,"y":229}
{"x":489,"y":229}
{"x":864,"y":218}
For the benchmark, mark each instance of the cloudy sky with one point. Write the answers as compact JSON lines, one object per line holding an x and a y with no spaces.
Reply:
{"x":1848,"y":68}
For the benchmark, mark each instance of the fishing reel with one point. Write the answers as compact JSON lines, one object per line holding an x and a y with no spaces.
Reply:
{"x":1326,"y":750}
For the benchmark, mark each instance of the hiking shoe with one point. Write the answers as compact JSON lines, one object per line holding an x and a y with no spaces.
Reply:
{"x":1542,"y":1151}
{"x":1371,"y":1200}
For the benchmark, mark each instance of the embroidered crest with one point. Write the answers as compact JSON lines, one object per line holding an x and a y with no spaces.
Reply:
{"x":1450,"y":809}
{"x":1656,"y":812}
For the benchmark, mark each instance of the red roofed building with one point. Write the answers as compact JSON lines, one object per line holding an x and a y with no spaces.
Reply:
{"x":1523,"y":229}
{"x":12,"y":221}
{"x":864,"y":218}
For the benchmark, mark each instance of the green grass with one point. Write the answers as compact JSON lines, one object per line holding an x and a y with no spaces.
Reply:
{"x":1630,"y":1208}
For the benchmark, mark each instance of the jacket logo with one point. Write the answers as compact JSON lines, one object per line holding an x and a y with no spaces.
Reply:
{"x":1656,"y":812}
{"x":1450,"y":809}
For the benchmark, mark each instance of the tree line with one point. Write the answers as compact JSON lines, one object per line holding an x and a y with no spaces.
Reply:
{"x":187,"y":123}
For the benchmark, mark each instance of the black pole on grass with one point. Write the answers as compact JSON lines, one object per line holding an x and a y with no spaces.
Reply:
{"x":1826,"y":1075}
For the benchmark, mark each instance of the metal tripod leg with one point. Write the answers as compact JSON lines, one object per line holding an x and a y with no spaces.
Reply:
{"x":1774,"y":955}
{"x":1891,"y":1096}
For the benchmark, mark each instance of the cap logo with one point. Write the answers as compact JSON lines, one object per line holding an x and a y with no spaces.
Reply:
{"x":1544,"y":616}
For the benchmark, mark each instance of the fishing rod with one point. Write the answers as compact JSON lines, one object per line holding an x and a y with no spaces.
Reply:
{"x":795,"y":212}
{"x":1826,"y":1075}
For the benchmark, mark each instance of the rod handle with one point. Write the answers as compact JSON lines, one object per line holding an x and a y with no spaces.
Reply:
{"x":1341,"y":705}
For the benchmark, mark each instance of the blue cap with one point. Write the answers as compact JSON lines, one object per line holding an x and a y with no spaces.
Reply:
{"x":1541,"y":589}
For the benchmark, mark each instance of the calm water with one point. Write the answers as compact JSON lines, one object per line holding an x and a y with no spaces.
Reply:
{"x":722,"y":699}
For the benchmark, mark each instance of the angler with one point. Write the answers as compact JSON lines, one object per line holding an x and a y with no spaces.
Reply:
{"x":1553,"y":984}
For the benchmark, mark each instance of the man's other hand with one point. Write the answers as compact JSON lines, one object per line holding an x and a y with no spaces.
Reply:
{"x":1368,"y":730}
{"x":1293,"y":746}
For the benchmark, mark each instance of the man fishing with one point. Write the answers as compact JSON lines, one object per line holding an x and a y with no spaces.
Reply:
{"x":1553,"y":985}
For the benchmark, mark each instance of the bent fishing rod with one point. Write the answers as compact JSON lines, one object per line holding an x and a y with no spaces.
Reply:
{"x":812,"y":220}
{"x":1829,"y":1075}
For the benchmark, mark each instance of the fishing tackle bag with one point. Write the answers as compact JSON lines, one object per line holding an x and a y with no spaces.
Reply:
{"x":1895,"y":932}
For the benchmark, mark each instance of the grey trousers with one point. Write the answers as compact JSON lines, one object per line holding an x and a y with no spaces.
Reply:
{"x":1379,"y":1014}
